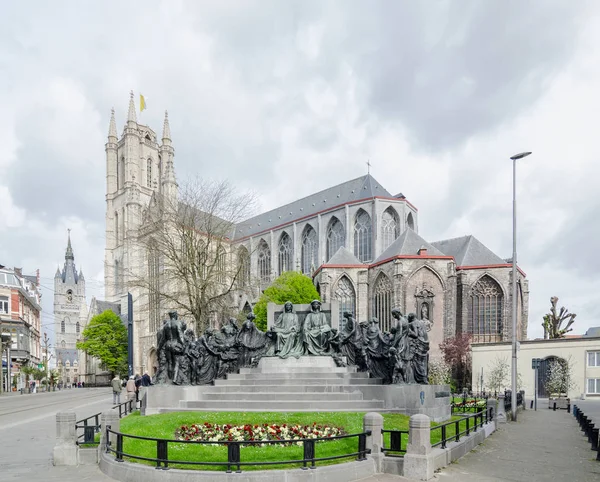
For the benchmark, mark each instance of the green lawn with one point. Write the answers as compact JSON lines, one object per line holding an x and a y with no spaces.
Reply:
{"x":164,"y":426}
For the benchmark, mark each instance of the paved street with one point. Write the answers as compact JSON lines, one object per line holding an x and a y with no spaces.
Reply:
{"x":28,"y":431}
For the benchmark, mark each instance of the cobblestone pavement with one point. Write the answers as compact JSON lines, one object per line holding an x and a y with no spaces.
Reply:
{"x":28,"y":432}
{"x":542,"y":445}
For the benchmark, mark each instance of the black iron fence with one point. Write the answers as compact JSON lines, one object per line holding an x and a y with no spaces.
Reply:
{"x":453,"y":430}
{"x":508,"y":400}
{"x":394,"y":442}
{"x":90,"y":427}
{"x":234,"y":449}
{"x":126,"y":408}
{"x":468,"y":404}
{"x":589,"y":429}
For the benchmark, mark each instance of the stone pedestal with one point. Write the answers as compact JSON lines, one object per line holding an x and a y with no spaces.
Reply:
{"x":65,"y":449}
{"x":501,"y":415}
{"x":418,"y":464}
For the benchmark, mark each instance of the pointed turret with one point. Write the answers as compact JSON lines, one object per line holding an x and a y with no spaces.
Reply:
{"x":112,"y":127}
{"x":166,"y":131}
{"x":81,"y":277}
{"x":57,"y":275}
{"x":131,"y":114}
{"x":69,"y":253}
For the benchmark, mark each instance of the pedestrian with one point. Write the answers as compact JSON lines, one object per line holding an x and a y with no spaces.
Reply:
{"x":146,"y":381}
{"x":116,"y":388}
{"x":130,"y":387}
{"x":138,"y":384}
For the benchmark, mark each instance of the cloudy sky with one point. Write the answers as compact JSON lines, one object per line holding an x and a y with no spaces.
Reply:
{"x":291,"y":97}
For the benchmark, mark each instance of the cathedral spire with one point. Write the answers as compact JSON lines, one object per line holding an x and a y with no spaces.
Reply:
{"x":131,"y":114}
{"x":166,"y":129}
{"x":69,"y":253}
{"x":112,"y":128}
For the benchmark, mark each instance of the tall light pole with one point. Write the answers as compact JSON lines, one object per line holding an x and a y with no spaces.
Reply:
{"x":513,"y":395}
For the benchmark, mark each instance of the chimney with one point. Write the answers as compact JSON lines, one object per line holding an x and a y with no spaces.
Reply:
{"x":423,"y":251}
{"x":37,"y":277}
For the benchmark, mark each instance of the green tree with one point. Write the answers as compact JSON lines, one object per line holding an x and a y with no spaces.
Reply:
{"x":105,"y":338}
{"x":290,"y":286}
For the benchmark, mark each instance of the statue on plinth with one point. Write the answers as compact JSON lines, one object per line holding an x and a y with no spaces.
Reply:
{"x":399,"y":347}
{"x":170,"y":345}
{"x":419,"y":350}
{"x":287,"y":334}
{"x":316,"y":331}
{"x":207,"y":363}
{"x":376,"y":349}
{"x":349,"y":339}
{"x":252,"y":342}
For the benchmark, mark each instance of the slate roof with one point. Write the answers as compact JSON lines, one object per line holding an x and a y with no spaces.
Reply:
{"x":408,"y":244}
{"x":343,"y":256}
{"x":468,"y":251}
{"x":359,"y":188}
{"x":593,"y":331}
{"x":102,"y":306}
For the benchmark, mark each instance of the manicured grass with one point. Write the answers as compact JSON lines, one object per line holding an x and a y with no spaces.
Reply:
{"x":164,"y":426}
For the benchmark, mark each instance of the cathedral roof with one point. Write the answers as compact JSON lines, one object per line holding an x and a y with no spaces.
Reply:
{"x":102,"y":306}
{"x":408,"y":244}
{"x":363,"y":187}
{"x":468,"y":251}
{"x":343,"y":257}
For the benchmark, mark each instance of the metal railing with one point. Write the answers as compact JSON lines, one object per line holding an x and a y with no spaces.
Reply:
{"x":126,"y":408}
{"x":469,"y":404}
{"x":88,"y":436}
{"x":471,"y":422}
{"x":589,"y":429}
{"x":508,"y":398}
{"x":163,"y":461}
{"x":395,"y":444}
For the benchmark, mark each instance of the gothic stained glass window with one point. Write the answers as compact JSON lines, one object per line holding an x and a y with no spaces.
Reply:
{"x":336,"y":237}
{"x":264,"y":261}
{"x":485,"y":311}
{"x":285,"y":253}
{"x":244,"y":267}
{"x":382,"y":302}
{"x":309,"y":250}
{"x":363,"y":236}
{"x":149,"y":173}
{"x":221,"y":265}
{"x":344,"y":293}
{"x":389,"y":227}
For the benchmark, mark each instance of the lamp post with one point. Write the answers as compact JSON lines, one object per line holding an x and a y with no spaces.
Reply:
{"x":513,"y":395}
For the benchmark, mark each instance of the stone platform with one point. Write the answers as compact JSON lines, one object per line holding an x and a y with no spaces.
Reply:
{"x":306,"y":384}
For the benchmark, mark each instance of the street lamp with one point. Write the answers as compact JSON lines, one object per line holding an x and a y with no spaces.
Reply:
{"x":513,"y":395}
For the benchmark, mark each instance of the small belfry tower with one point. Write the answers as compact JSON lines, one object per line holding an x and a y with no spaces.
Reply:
{"x":137,"y":168}
{"x":69,"y":297}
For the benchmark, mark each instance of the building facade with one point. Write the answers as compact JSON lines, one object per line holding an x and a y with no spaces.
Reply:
{"x":359,"y":243}
{"x":20,"y":323}
{"x":69,"y":313}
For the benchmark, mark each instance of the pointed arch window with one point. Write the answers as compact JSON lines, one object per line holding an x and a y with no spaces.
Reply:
{"x":363,"y":236}
{"x":62,"y":326}
{"x":117,"y":278}
{"x":336,"y":237}
{"x":153,"y":286}
{"x":382,"y":302}
{"x":117,"y":227}
{"x":410,"y":222}
{"x":309,"y":250}
{"x":149,"y":173}
{"x":264,"y":261}
{"x":345,"y":294}
{"x":243,"y":267}
{"x":221,"y":265}
{"x":121,"y":173}
{"x":77,"y":328}
{"x":63,"y":344}
{"x":284,"y":261}
{"x":389,"y":227}
{"x":485,"y":311}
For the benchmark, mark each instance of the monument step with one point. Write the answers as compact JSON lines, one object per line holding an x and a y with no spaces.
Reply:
{"x":299,"y":381}
{"x":283,"y":388}
{"x":243,"y":396}
{"x":300,"y":374}
{"x":298,"y":369}
{"x":282,"y":406}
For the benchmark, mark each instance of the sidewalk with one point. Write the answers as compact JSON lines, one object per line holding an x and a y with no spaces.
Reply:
{"x":542,"y":445}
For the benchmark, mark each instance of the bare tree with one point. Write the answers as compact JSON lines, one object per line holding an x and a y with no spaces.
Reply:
{"x":192,"y":264}
{"x":498,"y":373}
{"x":553,"y":321}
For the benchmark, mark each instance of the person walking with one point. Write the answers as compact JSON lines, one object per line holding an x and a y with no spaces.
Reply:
{"x":116,"y":389}
{"x":130,"y":388}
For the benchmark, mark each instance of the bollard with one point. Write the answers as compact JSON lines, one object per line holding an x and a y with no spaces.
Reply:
{"x":583,"y":423}
{"x":531,"y":405}
{"x":590,"y":433}
{"x":554,"y":407}
{"x":595,"y":433}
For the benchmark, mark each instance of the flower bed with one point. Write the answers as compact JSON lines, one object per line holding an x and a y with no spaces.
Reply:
{"x":208,"y":432}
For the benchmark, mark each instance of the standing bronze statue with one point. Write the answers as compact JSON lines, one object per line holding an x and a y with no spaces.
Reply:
{"x":251,"y":341}
{"x":419,"y":350}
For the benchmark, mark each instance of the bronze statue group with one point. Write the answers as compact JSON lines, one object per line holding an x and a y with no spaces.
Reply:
{"x":398,"y":356}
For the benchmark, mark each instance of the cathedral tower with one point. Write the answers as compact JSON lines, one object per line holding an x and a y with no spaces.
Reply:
{"x":137,"y":168}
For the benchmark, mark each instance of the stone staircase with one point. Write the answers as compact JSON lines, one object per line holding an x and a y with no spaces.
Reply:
{"x":304,"y":384}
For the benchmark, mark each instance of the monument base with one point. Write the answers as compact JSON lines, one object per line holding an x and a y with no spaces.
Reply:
{"x":308,"y":383}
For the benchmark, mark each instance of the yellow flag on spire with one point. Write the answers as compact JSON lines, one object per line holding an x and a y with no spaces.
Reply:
{"x":142,"y":103}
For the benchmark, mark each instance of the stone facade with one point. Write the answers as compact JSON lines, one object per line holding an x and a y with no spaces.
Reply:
{"x":358,"y":242}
